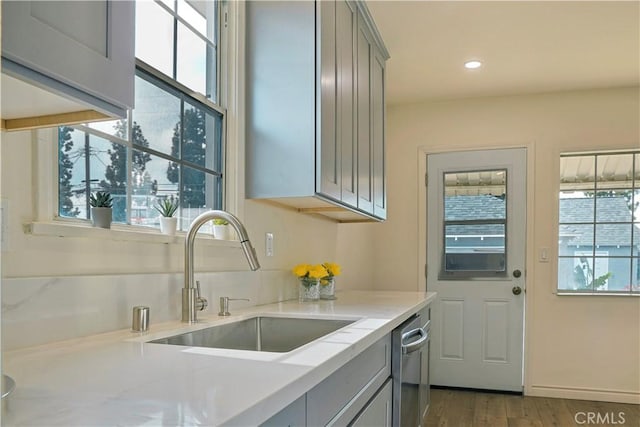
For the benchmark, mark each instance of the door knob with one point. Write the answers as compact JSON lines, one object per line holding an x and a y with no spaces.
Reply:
{"x":517,"y":273}
{"x":517,"y":290}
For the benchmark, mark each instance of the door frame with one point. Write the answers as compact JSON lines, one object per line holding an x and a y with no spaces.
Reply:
{"x":530,"y":259}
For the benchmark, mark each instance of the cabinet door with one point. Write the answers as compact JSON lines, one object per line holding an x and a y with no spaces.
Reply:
{"x":364,"y":56}
{"x":346,"y":32}
{"x":80,"y":48}
{"x":327,"y":143}
{"x":378,"y":172}
{"x":378,"y":410}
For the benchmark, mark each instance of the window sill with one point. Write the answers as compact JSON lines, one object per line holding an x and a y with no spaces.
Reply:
{"x":126,"y":233}
{"x":599,"y":294}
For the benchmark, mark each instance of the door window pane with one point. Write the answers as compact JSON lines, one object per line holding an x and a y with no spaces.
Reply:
{"x":475,"y":215}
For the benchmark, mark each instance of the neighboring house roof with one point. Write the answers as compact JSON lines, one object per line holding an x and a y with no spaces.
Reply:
{"x":608,"y":209}
{"x":464,"y":208}
{"x":572,"y":210}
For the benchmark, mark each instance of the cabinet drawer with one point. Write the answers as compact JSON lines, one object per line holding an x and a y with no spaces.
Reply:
{"x":378,"y":410}
{"x":342,"y":395}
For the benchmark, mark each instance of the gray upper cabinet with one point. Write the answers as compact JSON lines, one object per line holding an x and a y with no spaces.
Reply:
{"x":313,"y":76}
{"x":82,"y":51}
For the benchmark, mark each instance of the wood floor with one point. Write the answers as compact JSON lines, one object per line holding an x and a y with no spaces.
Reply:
{"x":453,"y":408}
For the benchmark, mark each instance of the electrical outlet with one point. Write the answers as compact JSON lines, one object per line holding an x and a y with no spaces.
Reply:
{"x":269,"y":244}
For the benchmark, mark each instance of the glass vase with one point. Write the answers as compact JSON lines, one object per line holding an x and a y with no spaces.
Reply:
{"x":308,"y":289}
{"x":328,"y":288}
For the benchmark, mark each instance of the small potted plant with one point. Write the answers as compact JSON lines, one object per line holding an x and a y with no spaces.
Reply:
{"x":101,"y":213}
{"x":221,"y":230}
{"x":167,"y":208}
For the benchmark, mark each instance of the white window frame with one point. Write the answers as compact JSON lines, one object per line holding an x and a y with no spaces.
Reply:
{"x":231,"y":92}
{"x":597,"y":252}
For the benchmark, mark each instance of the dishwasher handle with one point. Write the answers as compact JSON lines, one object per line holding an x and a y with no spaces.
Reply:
{"x":417,"y":344}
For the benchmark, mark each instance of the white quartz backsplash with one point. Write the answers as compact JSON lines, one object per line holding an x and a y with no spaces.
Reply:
{"x":46,"y":309}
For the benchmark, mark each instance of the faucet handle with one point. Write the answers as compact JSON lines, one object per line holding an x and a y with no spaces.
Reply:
{"x":201,"y":303}
{"x":224,"y":305}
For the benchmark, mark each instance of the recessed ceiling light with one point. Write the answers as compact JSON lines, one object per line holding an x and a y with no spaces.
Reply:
{"x":472,"y":65}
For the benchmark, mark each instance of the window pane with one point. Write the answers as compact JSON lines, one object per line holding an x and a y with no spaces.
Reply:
{"x":576,"y":206}
{"x":614,"y":171}
{"x":613,"y":274}
{"x":200,"y":192}
{"x":475,"y":247}
{"x":574,"y":238}
{"x":156,"y":118}
{"x":192,"y":16}
{"x":577,"y":173}
{"x":578,"y":273}
{"x":72,"y":200}
{"x":615,"y":238}
{"x":108,"y":172}
{"x":635,"y":275}
{"x":572,"y":273}
{"x":614,"y":205}
{"x":195,"y":62}
{"x":150,"y":186}
{"x":154,"y":36}
{"x":199,"y":128}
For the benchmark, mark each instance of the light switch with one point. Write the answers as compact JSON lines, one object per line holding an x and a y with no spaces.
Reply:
{"x":543,"y":255}
{"x":269,"y":244}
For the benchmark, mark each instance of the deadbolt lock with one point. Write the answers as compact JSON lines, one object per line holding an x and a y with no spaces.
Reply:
{"x":517,"y":290}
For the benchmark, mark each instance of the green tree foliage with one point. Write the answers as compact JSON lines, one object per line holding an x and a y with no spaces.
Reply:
{"x":65,"y":173}
{"x":194,"y":140}
{"x":115,"y":174}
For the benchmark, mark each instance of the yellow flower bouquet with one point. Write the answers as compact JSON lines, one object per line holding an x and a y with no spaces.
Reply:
{"x":328,"y":283}
{"x":309,"y":278}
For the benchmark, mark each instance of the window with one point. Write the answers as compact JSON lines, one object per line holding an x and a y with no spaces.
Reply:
{"x":599,"y":227}
{"x":171,"y":145}
{"x":475,"y":222}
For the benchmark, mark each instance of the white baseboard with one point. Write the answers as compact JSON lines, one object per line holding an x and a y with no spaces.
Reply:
{"x":601,"y":395}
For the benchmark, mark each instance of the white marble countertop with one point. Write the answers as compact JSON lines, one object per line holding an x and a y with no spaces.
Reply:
{"x":119,"y":379}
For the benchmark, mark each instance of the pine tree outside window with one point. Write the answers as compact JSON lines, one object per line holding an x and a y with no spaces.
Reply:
{"x":171,"y":144}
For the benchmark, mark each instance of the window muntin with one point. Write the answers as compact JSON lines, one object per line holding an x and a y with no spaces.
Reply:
{"x":599,"y":223}
{"x":172,"y":143}
{"x":475,"y":222}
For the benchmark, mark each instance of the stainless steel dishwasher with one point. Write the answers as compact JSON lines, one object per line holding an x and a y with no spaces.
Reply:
{"x":410,"y":371}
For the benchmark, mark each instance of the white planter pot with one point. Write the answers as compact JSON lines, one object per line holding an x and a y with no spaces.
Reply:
{"x":101,"y":217}
{"x":222,"y":232}
{"x":168,"y":225}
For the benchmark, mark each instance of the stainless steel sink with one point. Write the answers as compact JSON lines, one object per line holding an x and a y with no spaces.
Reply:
{"x":275,"y":334}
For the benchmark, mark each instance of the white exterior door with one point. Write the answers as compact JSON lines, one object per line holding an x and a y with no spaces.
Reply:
{"x":475,"y":262}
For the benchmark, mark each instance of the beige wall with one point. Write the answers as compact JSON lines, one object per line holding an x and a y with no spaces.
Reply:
{"x":585,"y":347}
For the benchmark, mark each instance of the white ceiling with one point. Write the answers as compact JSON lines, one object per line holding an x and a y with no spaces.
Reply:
{"x":526,"y":47}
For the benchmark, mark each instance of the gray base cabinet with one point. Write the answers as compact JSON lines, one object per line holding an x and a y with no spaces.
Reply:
{"x":315,"y":107}
{"x":356,"y":391}
{"x":81,"y":50}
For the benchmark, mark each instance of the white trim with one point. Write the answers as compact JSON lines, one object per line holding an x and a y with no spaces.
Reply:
{"x":232,"y":92}
{"x":127,"y":233}
{"x":583,"y":393}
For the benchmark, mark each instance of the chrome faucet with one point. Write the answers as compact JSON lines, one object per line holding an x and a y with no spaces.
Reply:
{"x":192,"y":302}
